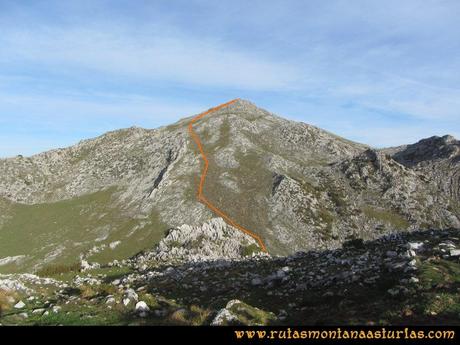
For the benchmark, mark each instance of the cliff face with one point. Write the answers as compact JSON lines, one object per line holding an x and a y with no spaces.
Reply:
{"x":295,"y":185}
{"x":437,"y":158}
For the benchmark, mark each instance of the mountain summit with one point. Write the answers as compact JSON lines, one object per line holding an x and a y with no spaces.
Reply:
{"x":296,"y":186}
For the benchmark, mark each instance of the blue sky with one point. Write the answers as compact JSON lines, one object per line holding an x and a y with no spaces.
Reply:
{"x":382,"y":73}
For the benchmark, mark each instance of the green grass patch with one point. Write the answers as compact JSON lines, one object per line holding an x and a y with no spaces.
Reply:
{"x":193,"y":316}
{"x":385,"y":216}
{"x":249,"y":315}
{"x":439,"y":272}
{"x":250,"y":249}
{"x":61,"y":231}
{"x":53,"y":270}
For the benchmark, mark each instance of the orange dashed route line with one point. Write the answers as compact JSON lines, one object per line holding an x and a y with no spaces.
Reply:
{"x":201,"y":197}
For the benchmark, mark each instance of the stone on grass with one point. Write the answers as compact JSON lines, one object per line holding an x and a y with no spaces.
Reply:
{"x":19,"y":305}
{"x":142,"y":309}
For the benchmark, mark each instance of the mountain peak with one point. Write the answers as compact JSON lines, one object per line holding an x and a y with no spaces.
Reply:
{"x":437,"y":140}
{"x":243,"y":105}
{"x":449,"y":139}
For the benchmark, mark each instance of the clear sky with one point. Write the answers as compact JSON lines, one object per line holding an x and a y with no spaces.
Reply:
{"x":379,"y":72}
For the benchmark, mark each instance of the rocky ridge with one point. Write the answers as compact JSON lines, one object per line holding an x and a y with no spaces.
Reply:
{"x":212,"y":240}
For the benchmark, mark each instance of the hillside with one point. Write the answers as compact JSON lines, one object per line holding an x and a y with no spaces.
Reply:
{"x":296,"y":186}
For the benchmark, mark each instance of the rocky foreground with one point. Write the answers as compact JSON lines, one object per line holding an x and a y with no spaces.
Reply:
{"x":410,"y":278}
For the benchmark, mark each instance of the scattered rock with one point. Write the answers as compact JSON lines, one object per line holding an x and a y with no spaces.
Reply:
{"x":19,"y":305}
{"x":391,"y":254}
{"x":130,"y":296}
{"x":415,"y":245}
{"x":39,"y":311}
{"x":414,"y":280}
{"x":142,"y":308}
{"x":393,"y":292}
{"x":256,"y":281}
{"x":223,"y":318}
{"x":111,"y":300}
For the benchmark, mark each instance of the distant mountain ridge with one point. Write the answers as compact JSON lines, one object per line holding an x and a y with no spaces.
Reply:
{"x":295,"y":185}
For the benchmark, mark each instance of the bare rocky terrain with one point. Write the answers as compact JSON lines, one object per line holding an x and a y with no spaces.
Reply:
{"x":117,"y":216}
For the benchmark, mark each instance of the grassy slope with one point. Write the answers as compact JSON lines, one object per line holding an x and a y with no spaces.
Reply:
{"x":73,"y":227}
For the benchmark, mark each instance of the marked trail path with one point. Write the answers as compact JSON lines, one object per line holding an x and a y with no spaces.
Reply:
{"x":201,"y":197}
